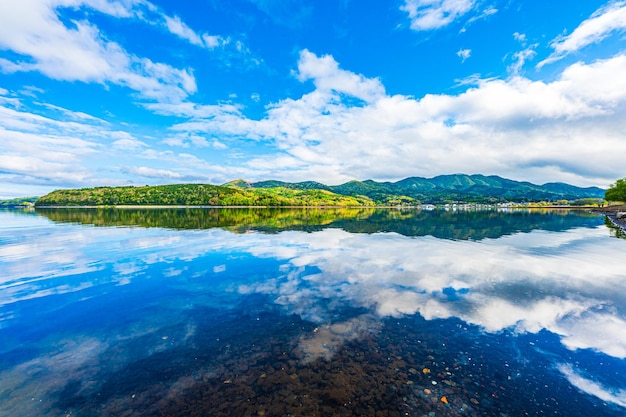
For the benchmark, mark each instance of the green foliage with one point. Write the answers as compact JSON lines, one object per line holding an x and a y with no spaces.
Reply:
{"x":617,"y":191}
{"x":197,"y":195}
{"x":443,"y":189}
{"x":615,"y":230}
{"x":588,"y":202}
{"x":453,"y":224}
{"x":449,"y":189}
{"x":18,"y":202}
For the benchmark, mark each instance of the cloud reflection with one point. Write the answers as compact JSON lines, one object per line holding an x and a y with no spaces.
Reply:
{"x":568,"y":283}
{"x":593,"y":388}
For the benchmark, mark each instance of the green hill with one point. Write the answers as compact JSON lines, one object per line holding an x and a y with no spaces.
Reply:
{"x":198,"y":195}
{"x":18,"y":202}
{"x":409,"y":191}
{"x":457,"y":187}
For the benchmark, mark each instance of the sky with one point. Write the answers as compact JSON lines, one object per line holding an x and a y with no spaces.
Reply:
{"x":137,"y":92}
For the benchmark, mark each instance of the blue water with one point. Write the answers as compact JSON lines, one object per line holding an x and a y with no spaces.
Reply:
{"x":311,"y":312}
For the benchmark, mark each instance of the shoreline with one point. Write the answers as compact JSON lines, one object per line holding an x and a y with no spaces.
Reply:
{"x":618,"y":223}
{"x":611,"y":213}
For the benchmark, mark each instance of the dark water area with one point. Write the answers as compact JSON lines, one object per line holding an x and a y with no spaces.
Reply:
{"x":244,"y":312}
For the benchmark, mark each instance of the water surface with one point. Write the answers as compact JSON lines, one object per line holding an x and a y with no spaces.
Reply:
{"x":252,"y":312}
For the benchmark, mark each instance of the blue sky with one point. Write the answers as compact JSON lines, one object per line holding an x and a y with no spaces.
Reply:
{"x":117,"y":92}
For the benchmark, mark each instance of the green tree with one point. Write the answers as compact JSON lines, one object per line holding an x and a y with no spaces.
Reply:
{"x":617,"y":191}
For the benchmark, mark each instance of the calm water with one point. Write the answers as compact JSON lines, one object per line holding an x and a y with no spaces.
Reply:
{"x":311,"y":313}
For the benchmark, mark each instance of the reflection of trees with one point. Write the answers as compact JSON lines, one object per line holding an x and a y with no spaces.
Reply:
{"x":461,"y":225}
{"x":475,"y":225}
{"x":615,"y":230}
{"x":241,"y":219}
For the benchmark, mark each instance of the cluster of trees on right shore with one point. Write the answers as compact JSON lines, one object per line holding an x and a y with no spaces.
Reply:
{"x":617,"y":191}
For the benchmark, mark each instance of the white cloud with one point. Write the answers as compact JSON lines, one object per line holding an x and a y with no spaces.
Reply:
{"x":40,"y":157}
{"x":187,"y":140}
{"x":75,"y":115}
{"x":154,"y":173}
{"x":177,"y":27}
{"x":484,"y":14}
{"x":152,"y":14}
{"x":604,"y":22}
{"x":464,"y":54}
{"x":520,"y":37}
{"x":327,"y":77}
{"x":39,"y":153}
{"x":504,"y":127}
{"x":189,"y":109}
{"x":434,"y":14}
{"x":81,"y":52}
{"x":520,"y":58}
{"x":116,"y":8}
{"x":129,"y":144}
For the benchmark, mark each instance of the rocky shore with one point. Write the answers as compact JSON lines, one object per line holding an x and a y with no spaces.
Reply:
{"x":616,"y":215}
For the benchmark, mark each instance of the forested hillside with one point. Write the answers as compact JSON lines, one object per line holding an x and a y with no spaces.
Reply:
{"x":410,"y":191}
{"x":198,"y":195}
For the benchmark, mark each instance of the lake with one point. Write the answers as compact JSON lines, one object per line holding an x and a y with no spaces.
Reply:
{"x":319,"y":312}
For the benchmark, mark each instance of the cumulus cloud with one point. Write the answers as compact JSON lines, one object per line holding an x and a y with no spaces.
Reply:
{"x":435,"y":14}
{"x":80,"y":51}
{"x":328,"y":77}
{"x":496,"y":126}
{"x":345,"y":127}
{"x":76,"y":149}
{"x":40,"y":150}
{"x":605,"y":21}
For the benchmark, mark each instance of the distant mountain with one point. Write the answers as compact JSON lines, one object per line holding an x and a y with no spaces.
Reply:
{"x":448,"y":188}
{"x":409,"y":191}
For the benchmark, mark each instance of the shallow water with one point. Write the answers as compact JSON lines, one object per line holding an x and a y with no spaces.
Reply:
{"x":243,"y":312}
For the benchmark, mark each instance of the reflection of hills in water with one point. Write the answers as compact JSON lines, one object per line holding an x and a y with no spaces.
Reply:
{"x":461,"y":225}
{"x":235,"y":219}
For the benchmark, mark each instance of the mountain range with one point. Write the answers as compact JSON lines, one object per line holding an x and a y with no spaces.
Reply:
{"x":443,"y":188}
{"x":409,"y":192}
